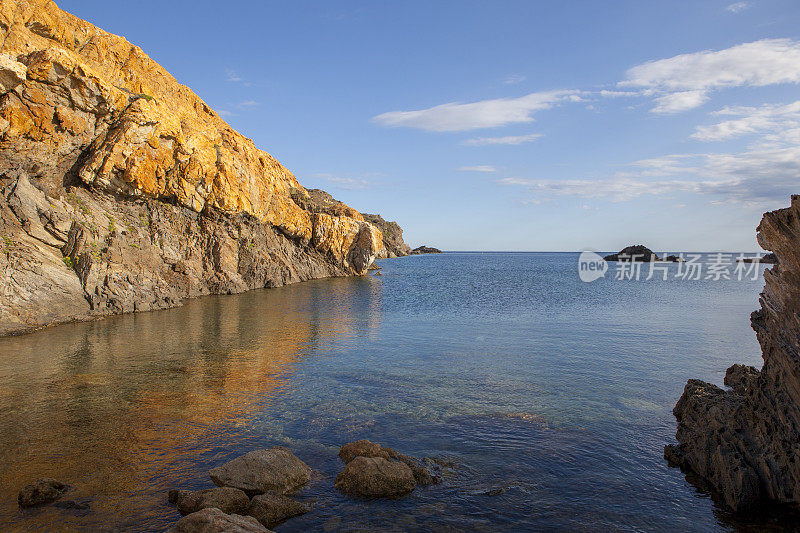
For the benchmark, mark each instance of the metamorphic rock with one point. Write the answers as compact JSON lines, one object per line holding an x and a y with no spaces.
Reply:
{"x":123,"y":191}
{"x":745,"y":441}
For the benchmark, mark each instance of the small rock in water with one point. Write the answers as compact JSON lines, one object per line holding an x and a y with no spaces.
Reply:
{"x":274,"y":470}
{"x":72,"y":504}
{"x":226,"y":499}
{"x":376,"y":477}
{"x":366,"y":448}
{"x":213,"y":520}
{"x":42,"y":491}
{"x":271,"y":509}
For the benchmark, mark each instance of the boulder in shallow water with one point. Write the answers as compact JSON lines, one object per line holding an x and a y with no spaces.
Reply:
{"x":274,"y":470}
{"x":213,"y":520}
{"x":40,"y":492}
{"x":226,"y":499}
{"x":366,"y":448}
{"x":376,"y":477}
{"x":271,"y":509}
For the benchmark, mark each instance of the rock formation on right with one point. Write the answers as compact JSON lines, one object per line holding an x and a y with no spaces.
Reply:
{"x":745,"y":441}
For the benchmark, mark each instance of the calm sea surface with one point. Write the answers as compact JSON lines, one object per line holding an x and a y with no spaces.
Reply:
{"x":552,"y":397}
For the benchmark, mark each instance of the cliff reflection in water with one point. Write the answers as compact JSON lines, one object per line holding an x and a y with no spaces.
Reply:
{"x":127,"y":407}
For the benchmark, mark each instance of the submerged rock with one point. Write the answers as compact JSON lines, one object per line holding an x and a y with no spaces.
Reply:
{"x":274,"y":470}
{"x":745,"y":442}
{"x":227,"y":499}
{"x":375,"y":477}
{"x":271,"y":509}
{"x":213,"y":520}
{"x":637,"y":252}
{"x":40,"y":492}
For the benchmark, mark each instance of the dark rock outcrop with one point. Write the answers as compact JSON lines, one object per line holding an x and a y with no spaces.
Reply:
{"x":41,"y":492}
{"x":271,"y":509}
{"x":274,"y":470}
{"x":769,"y":258}
{"x":226,"y":499}
{"x":393,"y":241}
{"x":425,"y":250}
{"x":637,"y":252}
{"x":213,"y":520}
{"x":745,"y":442}
{"x":375,"y":477}
{"x":123,"y":191}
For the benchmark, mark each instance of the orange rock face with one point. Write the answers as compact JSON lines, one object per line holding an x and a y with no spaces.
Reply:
{"x":81,"y":104}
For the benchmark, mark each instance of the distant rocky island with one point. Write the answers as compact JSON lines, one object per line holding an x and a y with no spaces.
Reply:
{"x":425,"y":250}
{"x":769,"y":258}
{"x":639,"y":252}
{"x":744,"y":441}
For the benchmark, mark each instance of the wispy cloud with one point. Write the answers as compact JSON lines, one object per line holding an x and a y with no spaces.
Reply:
{"x":682,"y":82}
{"x":483,"y":114}
{"x":753,"y":178}
{"x":248,"y":104}
{"x":346,"y":182}
{"x":478,"y":168}
{"x":780,"y":123}
{"x":737,"y":7}
{"x":514,"y":79}
{"x":232,"y":76}
{"x":511,"y":139}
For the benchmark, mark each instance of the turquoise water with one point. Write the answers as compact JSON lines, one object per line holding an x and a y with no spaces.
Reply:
{"x":551,"y":397}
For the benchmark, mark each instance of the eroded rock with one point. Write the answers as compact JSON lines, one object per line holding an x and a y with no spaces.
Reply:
{"x":41,"y":492}
{"x":274,"y":470}
{"x":215,"y":521}
{"x":271,"y":509}
{"x":366,"y":448}
{"x":375,"y":477}
{"x":227,"y":499}
{"x":745,"y":442}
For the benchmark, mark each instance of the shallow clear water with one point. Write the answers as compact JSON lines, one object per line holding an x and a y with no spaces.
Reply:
{"x":554,"y":393}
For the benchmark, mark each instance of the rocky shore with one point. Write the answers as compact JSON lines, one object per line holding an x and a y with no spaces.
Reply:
{"x":257,"y":490}
{"x":123,"y":191}
{"x":745,"y":441}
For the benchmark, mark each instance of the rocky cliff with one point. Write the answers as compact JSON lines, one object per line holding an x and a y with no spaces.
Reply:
{"x":393,"y":242}
{"x":123,"y":191}
{"x":745,"y":441}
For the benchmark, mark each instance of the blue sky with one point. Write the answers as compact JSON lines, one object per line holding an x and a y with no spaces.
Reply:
{"x":509,"y":125}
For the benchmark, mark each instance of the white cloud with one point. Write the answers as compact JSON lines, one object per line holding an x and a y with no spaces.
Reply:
{"x":483,"y":114}
{"x":511,"y":139}
{"x":345,"y":182}
{"x":778,"y":121}
{"x":754,"y":178}
{"x":514,"y":79}
{"x":682,"y":82}
{"x":478,"y":168}
{"x":757,"y":64}
{"x":680,"y":101}
{"x":737,"y":7}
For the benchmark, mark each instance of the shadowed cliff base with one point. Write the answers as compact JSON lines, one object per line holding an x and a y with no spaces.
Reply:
{"x":745,"y":441}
